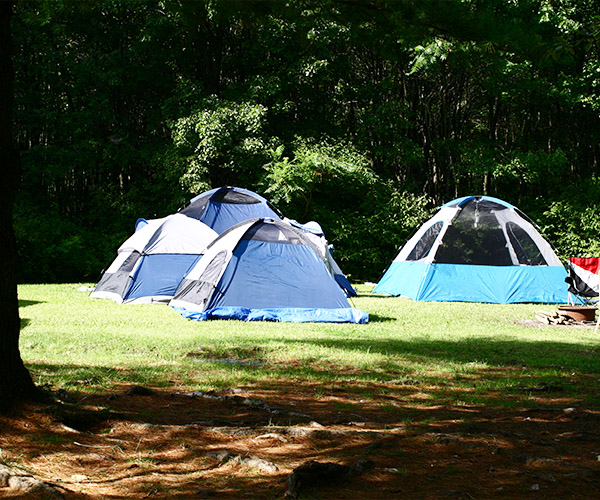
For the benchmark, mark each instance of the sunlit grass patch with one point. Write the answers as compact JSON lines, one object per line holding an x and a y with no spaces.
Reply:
{"x":422,"y":353}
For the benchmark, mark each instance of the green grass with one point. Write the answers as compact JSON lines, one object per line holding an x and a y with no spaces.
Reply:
{"x":454,"y":353}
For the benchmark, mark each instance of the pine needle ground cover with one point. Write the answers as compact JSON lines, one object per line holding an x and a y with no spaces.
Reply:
{"x":441,"y":400}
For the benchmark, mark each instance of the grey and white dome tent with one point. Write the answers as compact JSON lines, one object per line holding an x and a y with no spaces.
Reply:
{"x":151,"y":263}
{"x":477,"y":249}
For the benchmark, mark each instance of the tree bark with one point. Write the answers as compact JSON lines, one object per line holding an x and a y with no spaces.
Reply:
{"x":15,"y":381}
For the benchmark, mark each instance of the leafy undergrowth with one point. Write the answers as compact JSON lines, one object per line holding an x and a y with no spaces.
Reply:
{"x":244,"y":443}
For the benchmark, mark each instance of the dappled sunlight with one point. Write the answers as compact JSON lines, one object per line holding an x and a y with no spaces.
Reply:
{"x":438,"y":398}
{"x":161,"y":442}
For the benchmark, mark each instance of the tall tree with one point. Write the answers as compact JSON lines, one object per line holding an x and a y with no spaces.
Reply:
{"x":15,"y":381}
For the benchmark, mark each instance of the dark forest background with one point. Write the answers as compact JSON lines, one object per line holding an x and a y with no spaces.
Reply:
{"x":362,"y":115}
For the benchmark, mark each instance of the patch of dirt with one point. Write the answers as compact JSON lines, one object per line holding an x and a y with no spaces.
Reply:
{"x":245,"y":443}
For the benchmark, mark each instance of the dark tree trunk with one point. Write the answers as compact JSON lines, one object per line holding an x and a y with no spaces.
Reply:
{"x":15,"y":381}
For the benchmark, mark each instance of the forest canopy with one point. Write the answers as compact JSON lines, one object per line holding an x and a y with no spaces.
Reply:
{"x":362,"y":115}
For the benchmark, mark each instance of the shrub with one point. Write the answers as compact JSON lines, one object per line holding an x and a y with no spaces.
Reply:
{"x":331,"y":182}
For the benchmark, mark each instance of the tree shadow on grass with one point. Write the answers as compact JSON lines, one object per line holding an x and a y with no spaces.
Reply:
{"x":481,"y":354}
{"x":423,"y":358}
{"x":488,"y":350}
{"x":27,"y":303}
{"x":376,"y":318}
{"x":147,"y":447}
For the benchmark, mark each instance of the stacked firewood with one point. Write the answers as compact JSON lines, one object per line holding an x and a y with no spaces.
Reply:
{"x":555,"y":318}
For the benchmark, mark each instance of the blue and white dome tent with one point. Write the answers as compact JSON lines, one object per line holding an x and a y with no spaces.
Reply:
{"x":224,"y":207}
{"x":263,"y":269}
{"x":477,"y":249}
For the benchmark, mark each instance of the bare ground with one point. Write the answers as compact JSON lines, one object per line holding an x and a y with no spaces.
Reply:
{"x":245,"y":443}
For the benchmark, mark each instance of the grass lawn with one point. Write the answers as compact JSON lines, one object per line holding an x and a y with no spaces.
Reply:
{"x":447,"y":392}
{"x":459,"y":351}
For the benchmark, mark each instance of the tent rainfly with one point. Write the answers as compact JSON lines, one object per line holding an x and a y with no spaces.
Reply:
{"x":263,"y":269}
{"x":315,"y":233}
{"x":151,"y":263}
{"x":477,"y":249}
{"x":224,"y":207}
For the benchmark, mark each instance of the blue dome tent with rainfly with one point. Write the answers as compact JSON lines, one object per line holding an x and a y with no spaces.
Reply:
{"x":263,"y":269}
{"x":224,"y":207}
{"x":477,"y":249}
{"x":151,"y":263}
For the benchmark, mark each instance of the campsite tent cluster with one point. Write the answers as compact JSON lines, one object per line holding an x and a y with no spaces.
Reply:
{"x":229,"y":255}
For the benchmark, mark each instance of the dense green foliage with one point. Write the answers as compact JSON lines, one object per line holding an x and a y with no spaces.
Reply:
{"x":363,"y":115}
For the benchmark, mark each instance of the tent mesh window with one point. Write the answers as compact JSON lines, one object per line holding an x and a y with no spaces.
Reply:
{"x":234,"y":197}
{"x":196,"y":209}
{"x":273,"y":233}
{"x":424,"y":245}
{"x":475,"y":237}
{"x":527,"y":251}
